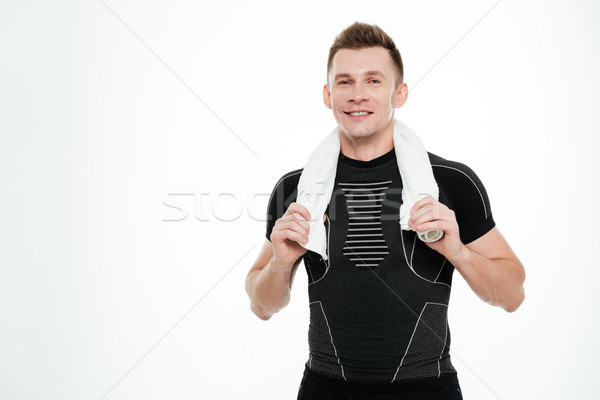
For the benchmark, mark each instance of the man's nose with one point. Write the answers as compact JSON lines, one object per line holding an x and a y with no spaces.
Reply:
{"x":358,"y":93}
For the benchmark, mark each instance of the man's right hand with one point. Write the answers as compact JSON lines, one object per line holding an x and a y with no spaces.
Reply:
{"x":288,"y":232}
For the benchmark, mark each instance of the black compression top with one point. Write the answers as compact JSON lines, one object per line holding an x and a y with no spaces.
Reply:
{"x":378,"y":305}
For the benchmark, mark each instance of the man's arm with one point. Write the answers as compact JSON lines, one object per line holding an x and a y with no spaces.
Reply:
{"x":488,"y":264}
{"x":269,"y":284}
{"x":492,"y":270}
{"x":269,"y":281}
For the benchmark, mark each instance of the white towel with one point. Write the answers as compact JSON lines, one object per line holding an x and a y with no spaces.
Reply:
{"x":318,"y":177}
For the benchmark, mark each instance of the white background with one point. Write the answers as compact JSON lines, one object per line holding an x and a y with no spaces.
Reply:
{"x":109,"y":111}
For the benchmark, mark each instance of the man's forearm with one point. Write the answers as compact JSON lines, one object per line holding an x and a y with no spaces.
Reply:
{"x":269,"y":289}
{"x":496,"y":281}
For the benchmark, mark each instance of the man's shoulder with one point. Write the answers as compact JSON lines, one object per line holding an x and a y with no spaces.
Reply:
{"x":453,"y":172}
{"x":455,"y":177}
{"x":441,"y":164}
{"x":287,"y":184}
{"x":288,"y":179}
{"x":463,"y":192}
{"x":291,"y":176}
{"x":459,"y":183}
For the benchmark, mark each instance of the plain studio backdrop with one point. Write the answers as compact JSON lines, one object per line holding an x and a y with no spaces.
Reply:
{"x":140,"y":141}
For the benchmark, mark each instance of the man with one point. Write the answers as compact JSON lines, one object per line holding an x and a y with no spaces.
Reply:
{"x":378,"y":305}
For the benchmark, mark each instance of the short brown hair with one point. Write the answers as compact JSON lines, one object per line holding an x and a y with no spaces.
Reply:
{"x":360,"y":35}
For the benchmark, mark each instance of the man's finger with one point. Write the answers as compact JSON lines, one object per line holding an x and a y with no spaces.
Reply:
{"x":299,"y":226}
{"x":300,"y":219}
{"x":300,"y":209}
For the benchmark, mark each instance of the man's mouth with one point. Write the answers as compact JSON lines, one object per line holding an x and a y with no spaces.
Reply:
{"x":357,"y":113}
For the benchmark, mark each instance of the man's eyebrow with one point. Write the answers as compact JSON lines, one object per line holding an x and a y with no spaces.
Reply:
{"x":338,"y":76}
{"x":375,"y":73}
{"x":369,"y":73}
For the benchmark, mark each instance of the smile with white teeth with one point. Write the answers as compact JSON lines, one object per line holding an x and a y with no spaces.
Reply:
{"x":356,"y":114}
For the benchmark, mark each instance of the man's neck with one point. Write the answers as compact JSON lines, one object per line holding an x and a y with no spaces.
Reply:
{"x":367,"y":148}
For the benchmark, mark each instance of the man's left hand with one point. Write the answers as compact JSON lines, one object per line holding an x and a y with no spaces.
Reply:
{"x":429,"y":213}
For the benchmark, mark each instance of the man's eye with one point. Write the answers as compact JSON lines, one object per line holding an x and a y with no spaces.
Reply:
{"x":375,"y":81}
{"x":343,"y":82}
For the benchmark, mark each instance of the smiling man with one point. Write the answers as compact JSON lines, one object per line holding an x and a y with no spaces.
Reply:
{"x":379,"y":302}
{"x":364,"y":111}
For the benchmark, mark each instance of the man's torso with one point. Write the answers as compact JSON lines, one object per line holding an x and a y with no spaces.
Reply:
{"x":378,"y":305}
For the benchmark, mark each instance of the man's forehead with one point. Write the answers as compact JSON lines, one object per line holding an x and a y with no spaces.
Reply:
{"x":361,"y":61}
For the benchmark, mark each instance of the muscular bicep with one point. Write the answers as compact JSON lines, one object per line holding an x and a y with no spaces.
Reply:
{"x":493,"y":246}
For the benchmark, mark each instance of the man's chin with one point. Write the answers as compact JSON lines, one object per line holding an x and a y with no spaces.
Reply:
{"x":354,"y":134}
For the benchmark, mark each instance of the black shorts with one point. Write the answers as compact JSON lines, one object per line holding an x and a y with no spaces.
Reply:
{"x":318,"y":387}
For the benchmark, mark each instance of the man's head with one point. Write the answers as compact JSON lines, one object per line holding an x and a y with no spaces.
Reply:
{"x":359,"y":36}
{"x":364,"y":82}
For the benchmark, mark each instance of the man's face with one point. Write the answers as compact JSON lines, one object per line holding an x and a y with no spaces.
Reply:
{"x":361,"y":91}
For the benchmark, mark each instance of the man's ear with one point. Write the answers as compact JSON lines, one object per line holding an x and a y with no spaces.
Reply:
{"x":401,"y":95}
{"x":326,"y":96}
